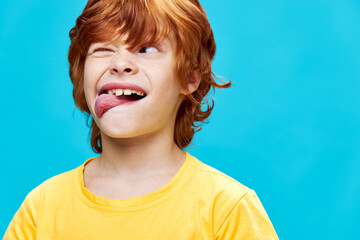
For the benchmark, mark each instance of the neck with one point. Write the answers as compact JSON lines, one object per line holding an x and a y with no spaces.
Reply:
{"x":139,"y":156}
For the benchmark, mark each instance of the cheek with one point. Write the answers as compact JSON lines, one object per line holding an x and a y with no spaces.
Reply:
{"x":92,"y":72}
{"x":89,"y":84}
{"x":86,"y":87}
{"x":88,"y":72}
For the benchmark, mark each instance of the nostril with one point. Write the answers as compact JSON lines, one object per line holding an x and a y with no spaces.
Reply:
{"x":127,"y":70}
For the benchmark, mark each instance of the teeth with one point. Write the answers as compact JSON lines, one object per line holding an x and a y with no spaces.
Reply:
{"x":119,"y":92}
{"x":111,"y":92}
{"x":127,"y":92}
{"x":139,"y":93}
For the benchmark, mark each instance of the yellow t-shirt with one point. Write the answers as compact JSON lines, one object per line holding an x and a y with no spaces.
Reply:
{"x":199,"y":202}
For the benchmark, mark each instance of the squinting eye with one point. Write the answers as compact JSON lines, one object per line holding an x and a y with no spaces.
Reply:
{"x":102,"y":50}
{"x":148,"y":50}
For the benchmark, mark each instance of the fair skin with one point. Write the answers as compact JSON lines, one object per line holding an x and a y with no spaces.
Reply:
{"x":139,"y":153}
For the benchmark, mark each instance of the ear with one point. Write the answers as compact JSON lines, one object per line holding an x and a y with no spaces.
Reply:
{"x":193,"y":83}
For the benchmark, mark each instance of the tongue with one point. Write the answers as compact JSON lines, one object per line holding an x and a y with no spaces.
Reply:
{"x":105,"y":101}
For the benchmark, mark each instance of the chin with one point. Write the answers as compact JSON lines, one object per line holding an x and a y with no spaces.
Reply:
{"x":120,"y":133}
{"x":118,"y":127}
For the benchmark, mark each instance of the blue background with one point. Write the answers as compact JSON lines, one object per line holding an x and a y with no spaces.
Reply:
{"x":289,"y":127}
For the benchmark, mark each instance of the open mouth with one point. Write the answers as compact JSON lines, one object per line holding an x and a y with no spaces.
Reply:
{"x":112,"y":97}
{"x":125,"y":94}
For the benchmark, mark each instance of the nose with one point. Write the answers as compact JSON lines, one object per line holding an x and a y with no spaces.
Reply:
{"x":122,"y":64}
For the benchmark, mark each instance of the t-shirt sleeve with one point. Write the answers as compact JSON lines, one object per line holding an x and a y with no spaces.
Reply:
{"x":23,"y":224}
{"x":247,"y":220}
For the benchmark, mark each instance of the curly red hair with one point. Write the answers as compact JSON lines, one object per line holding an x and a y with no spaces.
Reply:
{"x":146,"y":22}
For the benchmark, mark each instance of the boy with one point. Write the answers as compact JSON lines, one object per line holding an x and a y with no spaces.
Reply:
{"x":141,"y":69}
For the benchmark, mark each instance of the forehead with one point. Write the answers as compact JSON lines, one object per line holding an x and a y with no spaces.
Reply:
{"x":148,"y":26}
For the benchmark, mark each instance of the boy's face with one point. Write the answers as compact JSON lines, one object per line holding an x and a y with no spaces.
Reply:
{"x":112,"y":72}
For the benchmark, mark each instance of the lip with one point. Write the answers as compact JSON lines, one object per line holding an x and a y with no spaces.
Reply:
{"x":131,"y":86}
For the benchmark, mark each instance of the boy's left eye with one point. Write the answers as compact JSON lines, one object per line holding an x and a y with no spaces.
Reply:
{"x":149,"y":49}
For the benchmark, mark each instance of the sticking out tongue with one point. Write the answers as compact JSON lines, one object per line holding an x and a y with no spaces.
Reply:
{"x":106,"y":101}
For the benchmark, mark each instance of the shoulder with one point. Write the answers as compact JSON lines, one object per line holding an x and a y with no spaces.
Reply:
{"x":59,"y":180}
{"x":40,"y":199}
{"x":52,"y":186}
{"x":222,"y":192}
{"x":218,"y":181}
{"x":233,"y":205}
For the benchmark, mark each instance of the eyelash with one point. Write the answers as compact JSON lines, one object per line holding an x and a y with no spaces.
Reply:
{"x":102,"y":49}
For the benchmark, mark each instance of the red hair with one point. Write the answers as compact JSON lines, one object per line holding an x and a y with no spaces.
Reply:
{"x":146,"y":22}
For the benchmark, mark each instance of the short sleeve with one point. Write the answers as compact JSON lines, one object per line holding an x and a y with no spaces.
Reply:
{"x":247,"y":221}
{"x":23,"y":224}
